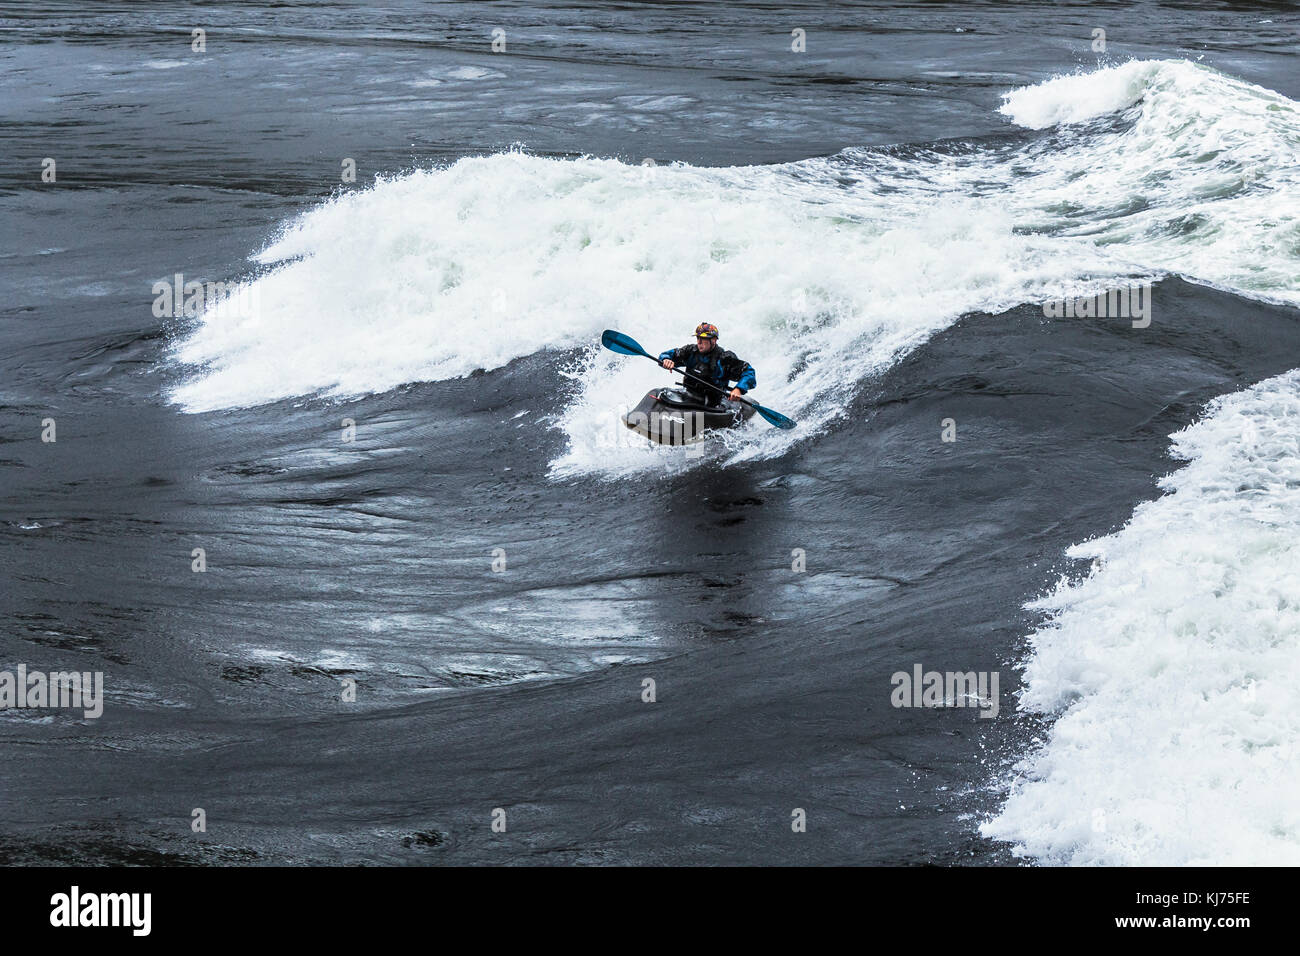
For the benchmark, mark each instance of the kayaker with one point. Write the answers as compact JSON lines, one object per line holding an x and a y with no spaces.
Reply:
{"x":709,"y":361}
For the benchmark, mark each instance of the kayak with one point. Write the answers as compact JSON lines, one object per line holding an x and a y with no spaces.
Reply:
{"x":674,"y":416}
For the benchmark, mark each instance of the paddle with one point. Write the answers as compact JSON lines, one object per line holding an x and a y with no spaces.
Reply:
{"x":626,"y":345}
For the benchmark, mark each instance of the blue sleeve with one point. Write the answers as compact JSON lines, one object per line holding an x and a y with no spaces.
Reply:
{"x":670,"y":354}
{"x":747,"y":379}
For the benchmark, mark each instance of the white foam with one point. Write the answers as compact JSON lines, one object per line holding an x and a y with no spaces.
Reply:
{"x":1175,"y":665}
{"x":1080,"y":96}
{"x":1204,"y":183}
{"x":820,"y":273}
{"x":431,"y":275}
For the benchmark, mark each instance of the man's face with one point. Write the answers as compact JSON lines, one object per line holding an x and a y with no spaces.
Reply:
{"x":704,"y":344}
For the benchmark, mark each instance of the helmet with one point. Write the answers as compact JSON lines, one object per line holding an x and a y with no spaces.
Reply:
{"x":706,"y":331}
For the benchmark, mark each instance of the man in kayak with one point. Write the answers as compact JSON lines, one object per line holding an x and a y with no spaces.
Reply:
{"x":706,"y":360}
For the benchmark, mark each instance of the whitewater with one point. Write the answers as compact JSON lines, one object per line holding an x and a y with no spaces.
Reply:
{"x":1174,"y":666}
{"x":820,"y":273}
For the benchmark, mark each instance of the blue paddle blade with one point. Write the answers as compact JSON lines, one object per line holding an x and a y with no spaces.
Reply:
{"x":625,"y":344}
{"x":775,"y":418}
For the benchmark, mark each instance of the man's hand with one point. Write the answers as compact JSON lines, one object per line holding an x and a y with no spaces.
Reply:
{"x":735,"y":394}
{"x":668,"y":363}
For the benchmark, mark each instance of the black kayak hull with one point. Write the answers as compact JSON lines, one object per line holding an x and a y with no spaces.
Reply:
{"x":672,"y":416}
